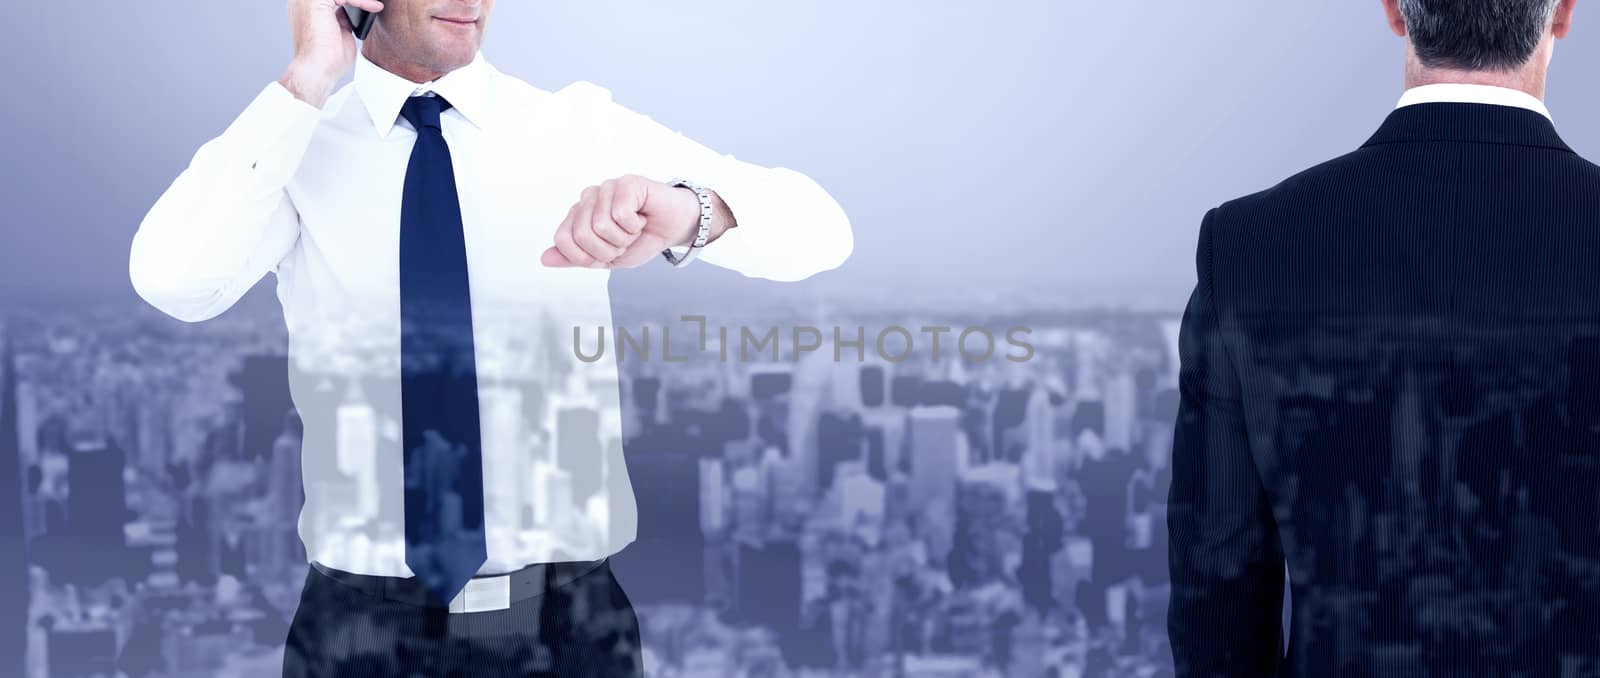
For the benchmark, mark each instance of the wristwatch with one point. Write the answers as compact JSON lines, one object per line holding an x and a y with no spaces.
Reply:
{"x":706,"y":209}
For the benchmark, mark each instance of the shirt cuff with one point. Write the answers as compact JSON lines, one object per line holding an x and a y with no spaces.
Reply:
{"x":788,"y":228}
{"x":272,"y":134}
{"x":733,"y":245}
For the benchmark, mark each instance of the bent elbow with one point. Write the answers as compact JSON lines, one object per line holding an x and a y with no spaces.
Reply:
{"x":162,"y":283}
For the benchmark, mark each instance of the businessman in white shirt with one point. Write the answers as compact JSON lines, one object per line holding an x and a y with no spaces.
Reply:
{"x":437,"y":230}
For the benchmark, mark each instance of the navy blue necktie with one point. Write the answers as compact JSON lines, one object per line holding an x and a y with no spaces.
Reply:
{"x":439,"y":381}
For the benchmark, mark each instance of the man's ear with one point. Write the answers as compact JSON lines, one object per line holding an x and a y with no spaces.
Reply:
{"x":1562,"y":23}
{"x":1397,"y":19}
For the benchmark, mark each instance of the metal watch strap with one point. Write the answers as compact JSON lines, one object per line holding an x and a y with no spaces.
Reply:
{"x":706,"y":210}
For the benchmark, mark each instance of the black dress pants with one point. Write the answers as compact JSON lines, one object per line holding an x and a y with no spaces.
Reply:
{"x":582,"y":627}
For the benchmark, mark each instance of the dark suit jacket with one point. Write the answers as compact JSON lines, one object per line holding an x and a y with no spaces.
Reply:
{"x":1390,"y":395}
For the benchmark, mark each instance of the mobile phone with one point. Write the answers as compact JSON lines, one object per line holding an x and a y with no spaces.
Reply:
{"x":361,"y":20}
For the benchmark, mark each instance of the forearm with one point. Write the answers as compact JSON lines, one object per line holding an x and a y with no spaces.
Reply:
{"x":789,"y":227}
{"x":308,"y":83}
{"x":781,"y":225}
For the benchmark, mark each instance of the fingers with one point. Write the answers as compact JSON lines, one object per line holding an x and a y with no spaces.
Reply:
{"x":641,"y":252}
{"x":369,"y":5}
{"x":627,"y":207}
{"x":566,"y":243}
{"x":600,"y":228}
{"x":553,"y":258}
{"x":602,"y":239}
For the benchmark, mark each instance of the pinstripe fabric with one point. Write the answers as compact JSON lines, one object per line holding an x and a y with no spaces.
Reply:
{"x":582,"y":628}
{"x":1390,"y":411}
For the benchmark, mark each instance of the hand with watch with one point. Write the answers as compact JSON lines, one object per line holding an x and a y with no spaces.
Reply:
{"x":628,"y":221}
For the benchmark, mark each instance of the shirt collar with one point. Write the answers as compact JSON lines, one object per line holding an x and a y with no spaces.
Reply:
{"x":384,"y":93}
{"x":1467,"y":93}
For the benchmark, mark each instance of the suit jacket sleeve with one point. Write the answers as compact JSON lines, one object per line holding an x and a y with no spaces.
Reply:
{"x":1226,"y":561}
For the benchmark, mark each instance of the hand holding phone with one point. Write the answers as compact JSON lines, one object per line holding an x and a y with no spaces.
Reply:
{"x":324,"y":44}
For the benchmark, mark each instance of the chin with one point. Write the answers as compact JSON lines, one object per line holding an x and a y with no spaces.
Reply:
{"x":451,"y":59}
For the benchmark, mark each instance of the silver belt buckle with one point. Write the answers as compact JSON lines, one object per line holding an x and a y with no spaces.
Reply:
{"x":482,"y":594}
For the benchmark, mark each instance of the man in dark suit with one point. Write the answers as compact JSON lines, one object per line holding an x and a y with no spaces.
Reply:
{"x":1390,"y":387}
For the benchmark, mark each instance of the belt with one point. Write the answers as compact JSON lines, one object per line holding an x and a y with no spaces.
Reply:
{"x":482,"y":592}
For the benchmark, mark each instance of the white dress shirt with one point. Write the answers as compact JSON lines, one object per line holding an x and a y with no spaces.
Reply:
{"x":1467,"y":93}
{"x":314,"y":195}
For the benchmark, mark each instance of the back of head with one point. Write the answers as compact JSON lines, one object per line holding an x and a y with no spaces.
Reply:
{"x":1477,"y":35}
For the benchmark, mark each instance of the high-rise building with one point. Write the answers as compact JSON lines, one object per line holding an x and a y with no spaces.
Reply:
{"x":284,"y":548}
{"x":770,"y":587}
{"x":578,"y":450}
{"x":504,"y":443}
{"x":713,"y":512}
{"x":13,"y":542}
{"x":876,"y":453}
{"x":1121,"y":410}
{"x":263,"y":380}
{"x":97,"y":509}
{"x":985,"y":496}
{"x":810,"y":395}
{"x":860,"y":501}
{"x":358,"y":451}
{"x":874,"y":382}
{"x":751,"y":501}
{"x":1089,"y":415}
{"x":840,"y":438}
{"x":1039,"y":460}
{"x":935,"y":438}
{"x":888,"y":441}
{"x":669,"y":549}
{"x":1087,"y":355}
{"x":1010,"y":411}
{"x":844,"y":380}
{"x":156,"y":415}
{"x":552,"y":495}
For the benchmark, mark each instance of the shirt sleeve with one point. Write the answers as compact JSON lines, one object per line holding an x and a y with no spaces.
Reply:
{"x":227,"y":219}
{"x":788,"y":227}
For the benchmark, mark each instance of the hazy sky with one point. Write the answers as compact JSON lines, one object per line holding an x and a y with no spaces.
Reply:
{"x":1063,"y":150}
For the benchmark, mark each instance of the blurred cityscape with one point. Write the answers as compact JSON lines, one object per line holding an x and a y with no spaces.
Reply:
{"x":931,"y":516}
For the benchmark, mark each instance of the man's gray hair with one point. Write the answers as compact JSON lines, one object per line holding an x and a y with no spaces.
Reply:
{"x":1477,"y":35}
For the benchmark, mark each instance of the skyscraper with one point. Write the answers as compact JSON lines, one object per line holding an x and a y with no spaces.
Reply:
{"x":1121,"y":410}
{"x":1039,"y":458}
{"x":285,"y":497}
{"x":263,"y":381}
{"x":840,"y":438}
{"x":664,"y":465}
{"x":935,"y":463}
{"x":13,"y":546}
{"x":358,"y":452}
{"x":504,"y":433}
{"x":578,"y":450}
{"x":97,"y":510}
